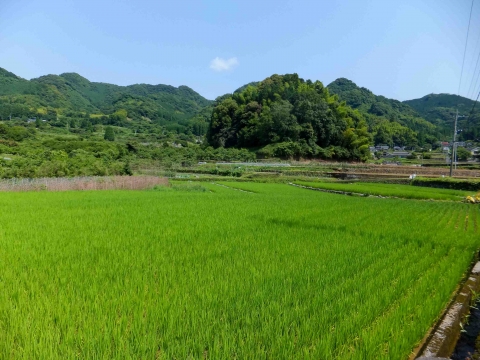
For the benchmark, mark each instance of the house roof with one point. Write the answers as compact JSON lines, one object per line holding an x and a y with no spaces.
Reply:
{"x":401,"y":152}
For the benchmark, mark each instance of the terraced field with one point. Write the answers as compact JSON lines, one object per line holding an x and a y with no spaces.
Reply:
{"x":392,"y":190}
{"x":276,"y":272}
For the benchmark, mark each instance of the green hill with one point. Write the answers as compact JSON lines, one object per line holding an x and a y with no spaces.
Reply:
{"x":67,"y":99}
{"x":391,"y":121}
{"x":285,"y":116}
{"x":440,"y":109}
{"x":69,"y":95}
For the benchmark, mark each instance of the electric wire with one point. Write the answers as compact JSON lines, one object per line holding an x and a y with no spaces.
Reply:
{"x":474,"y":104}
{"x":476,"y":81}
{"x":470,"y":88}
{"x":458,"y":92}
{"x":465,"y":51}
{"x":471,"y":111}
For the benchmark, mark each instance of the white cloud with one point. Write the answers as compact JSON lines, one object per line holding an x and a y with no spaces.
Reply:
{"x":219,"y":64}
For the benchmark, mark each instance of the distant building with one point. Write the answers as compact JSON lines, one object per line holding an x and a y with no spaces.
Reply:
{"x":382,"y":147}
{"x":475,"y":151}
{"x":398,"y":154}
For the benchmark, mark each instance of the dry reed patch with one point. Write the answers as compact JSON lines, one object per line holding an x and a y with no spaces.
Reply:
{"x":83,"y":183}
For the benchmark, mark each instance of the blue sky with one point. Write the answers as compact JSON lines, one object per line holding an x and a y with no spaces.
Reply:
{"x":399,"y":49}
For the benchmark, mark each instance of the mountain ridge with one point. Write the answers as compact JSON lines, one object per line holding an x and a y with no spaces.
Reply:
{"x":71,"y":92}
{"x":428,"y":119}
{"x":430,"y":116}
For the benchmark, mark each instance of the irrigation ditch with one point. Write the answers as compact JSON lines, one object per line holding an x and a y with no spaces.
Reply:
{"x":468,"y":346}
{"x":442,"y":340}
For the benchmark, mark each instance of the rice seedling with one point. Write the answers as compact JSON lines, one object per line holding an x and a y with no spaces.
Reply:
{"x":393,"y":190}
{"x":277,"y":272}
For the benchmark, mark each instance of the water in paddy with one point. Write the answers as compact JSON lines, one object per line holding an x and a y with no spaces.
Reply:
{"x":468,"y":346}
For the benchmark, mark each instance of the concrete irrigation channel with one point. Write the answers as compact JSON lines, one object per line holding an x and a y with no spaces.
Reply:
{"x":440,"y":342}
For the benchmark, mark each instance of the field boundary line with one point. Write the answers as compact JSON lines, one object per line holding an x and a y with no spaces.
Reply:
{"x":351,"y":193}
{"x":232,"y":188}
{"x":339,"y":192}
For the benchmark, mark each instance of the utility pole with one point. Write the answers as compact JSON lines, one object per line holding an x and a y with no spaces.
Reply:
{"x":453,"y":144}
{"x":453,"y":156}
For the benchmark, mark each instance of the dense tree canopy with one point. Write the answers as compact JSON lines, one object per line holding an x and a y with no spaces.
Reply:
{"x":440,"y":109}
{"x":390,"y":121}
{"x":109,"y":134}
{"x":68,"y":99}
{"x":287,"y":116}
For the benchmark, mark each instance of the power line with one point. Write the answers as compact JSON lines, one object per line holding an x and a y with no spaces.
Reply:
{"x":465,"y":51}
{"x":471,"y":112}
{"x":475,"y":70}
{"x":471,"y":90}
{"x":476,"y":82}
{"x":458,"y":95}
{"x":473,"y":107}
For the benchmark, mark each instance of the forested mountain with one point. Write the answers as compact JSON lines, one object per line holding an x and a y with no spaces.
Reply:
{"x":282,"y":115}
{"x":59,"y":98}
{"x":390,"y":121}
{"x":288,"y":116}
{"x":440,"y":109}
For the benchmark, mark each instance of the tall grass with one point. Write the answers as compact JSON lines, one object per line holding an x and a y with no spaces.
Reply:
{"x":83,"y":183}
{"x":282,"y":273}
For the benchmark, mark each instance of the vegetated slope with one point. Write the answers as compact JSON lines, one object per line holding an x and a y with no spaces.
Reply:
{"x":241,"y":88}
{"x":287,"y":116}
{"x":70,"y":91}
{"x":391,"y":121}
{"x":283,"y":273}
{"x":440,"y":109}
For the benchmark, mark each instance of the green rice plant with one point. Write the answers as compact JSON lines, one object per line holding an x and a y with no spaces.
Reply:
{"x":392,"y":190}
{"x":182,"y":186}
{"x":277,"y":272}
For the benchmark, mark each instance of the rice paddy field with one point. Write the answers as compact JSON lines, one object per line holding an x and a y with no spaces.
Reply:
{"x":393,"y":190}
{"x":210,"y":272}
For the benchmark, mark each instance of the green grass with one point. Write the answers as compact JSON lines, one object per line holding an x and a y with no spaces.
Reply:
{"x":182,"y":186}
{"x":283,"y":273}
{"x":393,"y":190}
